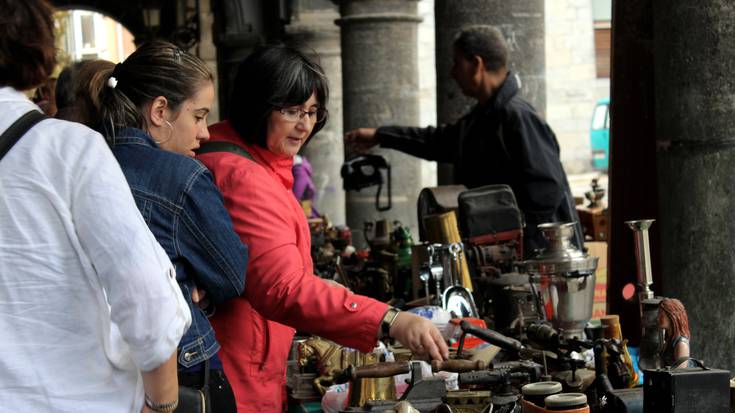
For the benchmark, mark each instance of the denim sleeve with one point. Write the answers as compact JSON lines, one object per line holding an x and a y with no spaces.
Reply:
{"x":207,"y":240}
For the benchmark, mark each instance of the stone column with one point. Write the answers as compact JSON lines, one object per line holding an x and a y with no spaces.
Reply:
{"x":380,"y":80}
{"x":522,"y":24}
{"x":695,"y":119}
{"x":312,"y":23}
{"x":238,"y":26}
{"x":207,"y":51}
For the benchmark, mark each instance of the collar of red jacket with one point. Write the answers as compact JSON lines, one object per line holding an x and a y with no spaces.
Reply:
{"x":278,"y":166}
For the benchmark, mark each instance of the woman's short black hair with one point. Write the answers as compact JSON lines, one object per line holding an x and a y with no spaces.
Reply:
{"x":274,"y":76}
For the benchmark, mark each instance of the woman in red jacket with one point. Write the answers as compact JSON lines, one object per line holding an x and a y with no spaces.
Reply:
{"x":279,"y":103}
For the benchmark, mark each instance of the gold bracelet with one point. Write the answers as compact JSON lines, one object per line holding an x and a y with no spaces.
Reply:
{"x":161,"y":407}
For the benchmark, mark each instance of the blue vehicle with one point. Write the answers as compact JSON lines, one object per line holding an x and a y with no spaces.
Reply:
{"x":600,"y":135}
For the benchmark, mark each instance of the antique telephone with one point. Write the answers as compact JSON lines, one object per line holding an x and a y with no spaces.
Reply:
{"x":364,"y":171}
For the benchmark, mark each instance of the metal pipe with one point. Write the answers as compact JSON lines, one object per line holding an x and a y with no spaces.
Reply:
{"x":643,"y":256}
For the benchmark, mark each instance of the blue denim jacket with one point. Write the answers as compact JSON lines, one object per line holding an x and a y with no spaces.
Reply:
{"x":185,"y":211}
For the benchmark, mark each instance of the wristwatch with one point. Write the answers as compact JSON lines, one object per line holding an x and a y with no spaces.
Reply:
{"x":387,"y":322}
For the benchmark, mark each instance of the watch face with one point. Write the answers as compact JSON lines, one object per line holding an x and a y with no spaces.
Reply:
{"x":387,"y":321}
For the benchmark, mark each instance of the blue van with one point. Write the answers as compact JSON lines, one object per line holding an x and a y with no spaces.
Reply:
{"x":600,"y":135}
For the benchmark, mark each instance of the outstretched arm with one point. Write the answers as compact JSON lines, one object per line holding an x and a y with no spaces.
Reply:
{"x":282,"y":287}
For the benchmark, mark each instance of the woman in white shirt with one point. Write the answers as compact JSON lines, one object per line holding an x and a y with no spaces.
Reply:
{"x":91,"y":312}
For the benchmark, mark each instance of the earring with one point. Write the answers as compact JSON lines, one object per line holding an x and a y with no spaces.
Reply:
{"x":170,"y":134}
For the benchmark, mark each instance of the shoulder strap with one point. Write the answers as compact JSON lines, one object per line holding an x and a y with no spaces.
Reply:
{"x":220,"y":146}
{"x":18,"y":129}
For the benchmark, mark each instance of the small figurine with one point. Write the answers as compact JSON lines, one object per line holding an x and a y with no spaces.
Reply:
{"x":672,"y":318}
{"x":595,"y":195}
{"x":327,"y":358}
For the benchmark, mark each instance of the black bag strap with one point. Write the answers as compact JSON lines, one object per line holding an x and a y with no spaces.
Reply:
{"x":220,"y":146}
{"x":205,"y":386}
{"x":18,"y":129}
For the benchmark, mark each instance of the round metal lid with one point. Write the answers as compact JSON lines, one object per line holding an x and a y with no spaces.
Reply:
{"x":560,"y":257}
{"x":541,"y":388}
{"x":565,"y":400}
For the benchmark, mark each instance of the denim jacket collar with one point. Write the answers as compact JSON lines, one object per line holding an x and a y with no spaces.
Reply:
{"x":133,"y":136}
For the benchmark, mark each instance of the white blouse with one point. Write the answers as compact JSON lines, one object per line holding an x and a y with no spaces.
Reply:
{"x":88,"y":298}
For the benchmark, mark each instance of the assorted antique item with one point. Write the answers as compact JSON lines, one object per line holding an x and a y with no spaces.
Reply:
{"x":518,"y":322}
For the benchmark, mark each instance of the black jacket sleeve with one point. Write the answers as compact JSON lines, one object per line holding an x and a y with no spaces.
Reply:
{"x":439,"y":143}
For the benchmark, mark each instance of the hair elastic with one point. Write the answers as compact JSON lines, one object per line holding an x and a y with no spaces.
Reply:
{"x":115,"y":76}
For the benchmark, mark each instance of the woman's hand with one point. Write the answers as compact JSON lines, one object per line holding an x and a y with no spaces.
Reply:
{"x":198,"y":298}
{"x":361,"y":139}
{"x":420,"y":335}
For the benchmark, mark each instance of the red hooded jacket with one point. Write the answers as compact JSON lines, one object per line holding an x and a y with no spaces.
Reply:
{"x":281,"y":291}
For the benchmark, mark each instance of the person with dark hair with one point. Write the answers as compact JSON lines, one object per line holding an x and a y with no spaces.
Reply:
{"x":65,"y":90}
{"x":501,"y":141}
{"x":44,"y":97}
{"x":153,"y":110}
{"x":280,"y":103}
{"x":91,"y":314}
{"x":672,"y":318}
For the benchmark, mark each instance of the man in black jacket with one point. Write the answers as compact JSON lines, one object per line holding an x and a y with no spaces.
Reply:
{"x":501,"y":141}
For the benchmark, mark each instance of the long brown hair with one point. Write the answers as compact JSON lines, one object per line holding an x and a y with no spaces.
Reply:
{"x":27,"y":51}
{"x":155,"y":69}
{"x":676,"y":312}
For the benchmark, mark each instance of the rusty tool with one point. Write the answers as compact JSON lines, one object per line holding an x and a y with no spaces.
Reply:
{"x":388,"y":369}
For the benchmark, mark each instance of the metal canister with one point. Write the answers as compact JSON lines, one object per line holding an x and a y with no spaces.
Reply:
{"x":565,"y":279}
{"x":535,"y":393}
{"x":567,"y":402}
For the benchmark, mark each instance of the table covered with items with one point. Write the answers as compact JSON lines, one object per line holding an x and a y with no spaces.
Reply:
{"x":518,"y":322}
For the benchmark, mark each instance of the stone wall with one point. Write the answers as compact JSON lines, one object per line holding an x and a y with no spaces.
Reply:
{"x":427,"y":82}
{"x":571,"y":83}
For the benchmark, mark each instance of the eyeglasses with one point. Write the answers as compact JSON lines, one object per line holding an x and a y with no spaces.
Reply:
{"x":295,"y":114}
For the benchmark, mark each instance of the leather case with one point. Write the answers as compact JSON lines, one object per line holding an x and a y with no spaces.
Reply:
{"x":486,"y":210}
{"x":685,"y":390}
{"x":436,"y":200}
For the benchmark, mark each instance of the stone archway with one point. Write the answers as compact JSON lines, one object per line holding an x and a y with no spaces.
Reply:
{"x":129,"y":14}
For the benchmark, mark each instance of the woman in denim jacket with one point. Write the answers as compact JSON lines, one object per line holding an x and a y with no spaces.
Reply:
{"x":152,"y":109}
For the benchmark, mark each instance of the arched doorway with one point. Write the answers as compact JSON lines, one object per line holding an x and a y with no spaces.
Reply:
{"x":86,"y":35}
{"x":129,"y":14}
